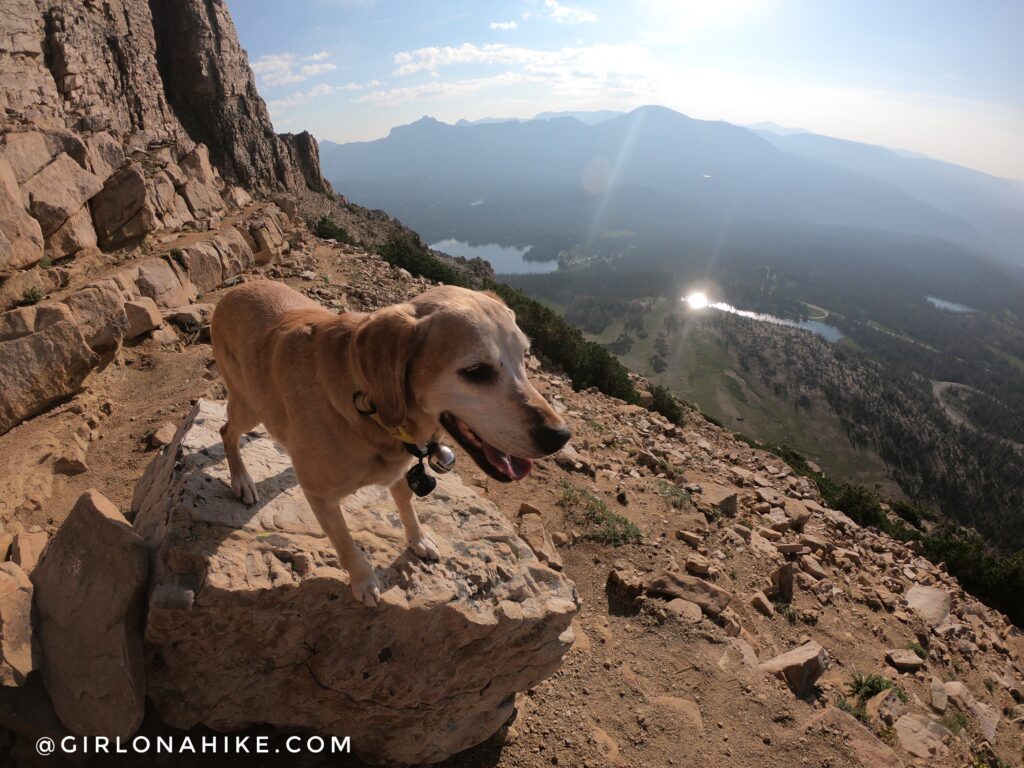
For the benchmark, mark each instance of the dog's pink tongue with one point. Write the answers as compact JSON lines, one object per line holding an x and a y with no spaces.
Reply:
{"x":512,"y":466}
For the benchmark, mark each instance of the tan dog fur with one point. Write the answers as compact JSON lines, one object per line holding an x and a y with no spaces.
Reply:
{"x":294,"y":366}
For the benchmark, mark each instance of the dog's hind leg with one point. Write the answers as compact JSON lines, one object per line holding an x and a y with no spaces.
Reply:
{"x":240,"y":420}
{"x":419,"y":542}
{"x":365,"y":587}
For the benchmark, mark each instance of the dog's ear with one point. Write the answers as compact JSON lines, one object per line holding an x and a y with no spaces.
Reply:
{"x":382,"y":346}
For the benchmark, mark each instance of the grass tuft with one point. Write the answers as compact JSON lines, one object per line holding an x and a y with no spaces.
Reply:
{"x":608,"y":527}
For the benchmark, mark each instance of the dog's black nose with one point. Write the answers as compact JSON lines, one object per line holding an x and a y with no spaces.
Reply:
{"x":549,"y":439}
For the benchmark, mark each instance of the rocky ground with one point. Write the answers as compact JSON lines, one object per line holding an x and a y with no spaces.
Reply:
{"x":678,"y":615}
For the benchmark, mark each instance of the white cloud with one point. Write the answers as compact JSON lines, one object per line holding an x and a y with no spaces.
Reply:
{"x":362,"y":86}
{"x":503,"y":25}
{"x":573,"y":73}
{"x":565,"y":13}
{"x":299,"y":97}
{"x":439,"y":90}
{"x":276,"y":69}
{"x":600,"y":62}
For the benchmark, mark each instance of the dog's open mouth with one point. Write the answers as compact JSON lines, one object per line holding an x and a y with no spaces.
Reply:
{"x":498,"y":464}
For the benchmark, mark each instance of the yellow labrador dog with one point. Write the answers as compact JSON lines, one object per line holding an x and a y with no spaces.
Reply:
{"x":450,"y":358}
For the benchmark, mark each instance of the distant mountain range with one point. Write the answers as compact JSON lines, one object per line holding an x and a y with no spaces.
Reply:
{"x":656,"y":169}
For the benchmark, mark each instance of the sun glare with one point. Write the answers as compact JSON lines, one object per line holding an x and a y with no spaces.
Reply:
{"x":697,"y":300}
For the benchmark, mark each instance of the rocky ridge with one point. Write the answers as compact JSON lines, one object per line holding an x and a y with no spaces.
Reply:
{"x":739,"y":627}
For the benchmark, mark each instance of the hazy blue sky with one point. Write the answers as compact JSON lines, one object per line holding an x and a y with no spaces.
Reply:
{"x":943,"y":77}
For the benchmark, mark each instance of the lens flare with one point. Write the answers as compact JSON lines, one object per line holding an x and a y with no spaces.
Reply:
{"x":697,"y":300}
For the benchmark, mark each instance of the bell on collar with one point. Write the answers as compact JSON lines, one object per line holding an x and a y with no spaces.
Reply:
{"x":441,"y":458}
{"x":420,"y":481}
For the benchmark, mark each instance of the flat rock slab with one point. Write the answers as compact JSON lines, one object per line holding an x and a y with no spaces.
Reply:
{"x":930,"y":603}
{"x":252,"y":621}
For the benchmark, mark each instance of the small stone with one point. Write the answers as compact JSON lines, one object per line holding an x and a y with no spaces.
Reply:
{"x":526,"y":508}
{"x":939,"y":700}
{"x":162,"y":435}
{"x":698,"y":564}
{"x":691,"y":538}
{"x":143,"y":316}
{"x":800,"y":667}
{"x":904,"y":660}
{"x":684,"y":610}
{"x":810,"y":565}
{"x":532,"y":531}
{"x":27,"y":548}
{"x":761,"y":603}
{"x":730,"y":505}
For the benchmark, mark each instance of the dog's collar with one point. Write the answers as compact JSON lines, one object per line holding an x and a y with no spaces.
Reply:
{"x":440,"y":457}
{"x":366,"y":407}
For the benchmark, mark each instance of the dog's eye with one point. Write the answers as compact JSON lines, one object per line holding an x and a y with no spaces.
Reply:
{"x":481,"y":373}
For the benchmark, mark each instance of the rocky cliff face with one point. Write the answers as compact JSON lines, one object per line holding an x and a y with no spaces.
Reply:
{"x":160,"y":71}
{"x":212,"y":90}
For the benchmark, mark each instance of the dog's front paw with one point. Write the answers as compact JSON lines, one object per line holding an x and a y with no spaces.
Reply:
{"x":425,"y":547}
{"x":244,"y":488}
{"x":366,"y":589}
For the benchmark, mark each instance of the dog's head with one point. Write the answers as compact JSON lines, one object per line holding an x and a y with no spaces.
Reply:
{"x":456,"y":357}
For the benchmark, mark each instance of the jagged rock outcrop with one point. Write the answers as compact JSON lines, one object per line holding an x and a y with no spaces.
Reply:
{"x":305,"y":154}
{"x":213,"y":91}
{"x":47,"y":350}
{"x":124,"y":117}
{"x":251,"y":621}
{"x":167,"y":71}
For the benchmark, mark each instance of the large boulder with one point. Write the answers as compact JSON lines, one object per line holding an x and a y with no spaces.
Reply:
{"x":252,"y":621}
{"x":863,"y":745}
{"x":90,"y":592}
{"x":99,"y":310}
{"x":21,"y":238}
{"x":673,"y":584}
{"x":17,"y":655}
{"x":124,"y":209}
{"x":59,"y":191}
{"x":105,"y":153}
{"x":921,"y":737}
{"x":43,"y":358}
{"x":74,"y":235}
{"x":157,"y":279}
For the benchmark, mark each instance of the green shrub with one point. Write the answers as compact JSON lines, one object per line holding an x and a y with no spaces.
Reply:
{"x":410,"y":255}
{"x":678,"y":497}
{"x":954,"y":720}
{"x":326,"y":228}
{"x":919,"y":649}
{"x":667,"y":404}
{"x":786,"y":610}
{"x":856,"y":710}
{"x":32,"y":296}
{"x":864,"y":687}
